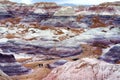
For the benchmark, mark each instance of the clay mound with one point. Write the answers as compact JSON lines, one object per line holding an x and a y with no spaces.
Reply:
{"x":3,"y":9}
{"x":113,"y":55}
{"x":9,"y":65}
{"x":60,"y":51}
{"x":86,"y":69}
{"x":40,"y":11}
{"x":3,"y":76}
{"x":4,"y":12}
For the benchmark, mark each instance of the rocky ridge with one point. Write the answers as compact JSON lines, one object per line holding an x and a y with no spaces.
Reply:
{"x":86,"y":69}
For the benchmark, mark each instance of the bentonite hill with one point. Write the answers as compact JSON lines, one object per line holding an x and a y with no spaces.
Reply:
{"x":48,"y":41}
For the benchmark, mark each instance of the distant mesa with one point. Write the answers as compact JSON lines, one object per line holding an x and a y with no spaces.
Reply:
{"x":45,"y":4}
{"x":68,"y":4}
{"x":3,"y":0}
{"x":65,"y":11}
{"x":116,"y":3}
{"x":7,"y":3}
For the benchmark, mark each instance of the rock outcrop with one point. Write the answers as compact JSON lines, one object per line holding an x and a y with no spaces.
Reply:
{"x":86,"y":69}
{"x":9,"y":65}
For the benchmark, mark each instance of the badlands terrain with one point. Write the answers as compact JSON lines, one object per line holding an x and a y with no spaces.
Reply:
{"x":47,"y":41}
